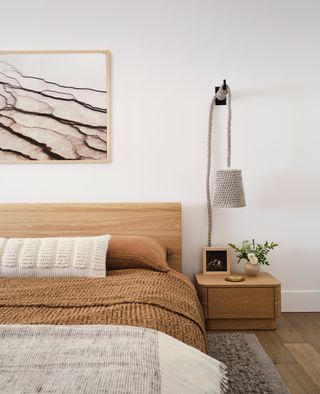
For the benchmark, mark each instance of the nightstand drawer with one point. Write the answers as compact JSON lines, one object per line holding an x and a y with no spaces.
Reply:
{"x":241,"y":303}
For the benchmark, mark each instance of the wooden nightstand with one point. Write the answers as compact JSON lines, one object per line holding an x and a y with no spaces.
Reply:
{"x":254,"y":304}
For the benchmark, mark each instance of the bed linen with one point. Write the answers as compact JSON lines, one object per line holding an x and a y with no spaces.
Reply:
{"x":102,"y":359}
{"x":135,"y":251}
{"x":166,"y":302}
{"x":135,"y":331}
{"x":54,"y":256}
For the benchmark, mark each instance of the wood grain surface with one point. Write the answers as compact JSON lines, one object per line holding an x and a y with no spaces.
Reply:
{"x":294,"y":348}
{"x":159,"y":220}
{"x":241,"y":303}
{"x":263,"y":279}
{"x":252,"y":304}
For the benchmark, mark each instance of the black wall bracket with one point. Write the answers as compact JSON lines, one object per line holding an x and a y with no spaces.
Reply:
{"x":221,"y":102}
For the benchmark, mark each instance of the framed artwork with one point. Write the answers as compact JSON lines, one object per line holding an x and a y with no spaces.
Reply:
{"x":55,"y":107}
{"x":216,"y":260}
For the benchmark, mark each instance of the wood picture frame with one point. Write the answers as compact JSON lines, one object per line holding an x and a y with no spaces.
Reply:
{"x":55,"y":107}
{"x":216,"y":260}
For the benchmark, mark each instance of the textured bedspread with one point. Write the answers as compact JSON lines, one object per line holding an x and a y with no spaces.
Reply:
{"x":166,"y":302}
{"x":103,"y":359}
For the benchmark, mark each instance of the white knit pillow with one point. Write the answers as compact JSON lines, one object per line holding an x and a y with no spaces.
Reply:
{"x":69,"y":256}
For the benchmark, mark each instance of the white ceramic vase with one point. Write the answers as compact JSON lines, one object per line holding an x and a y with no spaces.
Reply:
{"x":252,"y":269}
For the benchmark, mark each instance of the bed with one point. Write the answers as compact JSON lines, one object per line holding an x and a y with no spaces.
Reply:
{"x":149,"y":322}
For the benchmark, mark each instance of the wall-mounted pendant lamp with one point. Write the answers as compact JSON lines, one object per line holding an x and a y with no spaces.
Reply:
{"x":228,"y":189}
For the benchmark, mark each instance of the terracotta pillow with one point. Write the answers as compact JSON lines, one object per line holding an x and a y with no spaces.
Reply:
{"x":136,"y":252}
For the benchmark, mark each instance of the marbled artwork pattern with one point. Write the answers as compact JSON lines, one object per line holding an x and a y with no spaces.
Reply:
{"x":53,"y":111}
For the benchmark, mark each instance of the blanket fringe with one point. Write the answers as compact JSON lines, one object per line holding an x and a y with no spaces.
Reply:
{"x":223,"y":378}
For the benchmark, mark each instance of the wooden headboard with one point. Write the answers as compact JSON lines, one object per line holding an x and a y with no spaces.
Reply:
{"x":158,"y":220}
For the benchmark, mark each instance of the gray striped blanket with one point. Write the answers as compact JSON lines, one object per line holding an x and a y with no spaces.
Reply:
{"x":102,"y":359}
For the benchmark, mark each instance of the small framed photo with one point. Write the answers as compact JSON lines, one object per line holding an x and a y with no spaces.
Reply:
{"x":216,"y":260}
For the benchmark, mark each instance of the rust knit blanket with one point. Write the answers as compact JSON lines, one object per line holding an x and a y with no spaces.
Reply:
{"x":166,"y":302}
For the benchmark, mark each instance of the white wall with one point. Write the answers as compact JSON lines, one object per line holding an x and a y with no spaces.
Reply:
{"x":166,"y":58}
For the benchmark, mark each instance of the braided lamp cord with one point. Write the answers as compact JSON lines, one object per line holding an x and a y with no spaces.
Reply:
{"x":209,"y":155}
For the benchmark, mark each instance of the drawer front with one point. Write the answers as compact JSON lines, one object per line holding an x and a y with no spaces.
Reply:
{"x":241,"y":303}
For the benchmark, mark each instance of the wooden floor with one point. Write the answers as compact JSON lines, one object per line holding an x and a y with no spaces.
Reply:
{"x":294,"y":347}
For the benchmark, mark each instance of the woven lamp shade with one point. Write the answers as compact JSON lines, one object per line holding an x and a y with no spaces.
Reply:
{"x":228,"y":189}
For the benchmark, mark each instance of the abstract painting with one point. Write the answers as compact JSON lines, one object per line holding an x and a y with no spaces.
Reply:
{"x":54,"y":107}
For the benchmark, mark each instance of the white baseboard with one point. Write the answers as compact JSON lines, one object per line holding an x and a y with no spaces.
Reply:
{"x":300,"y":300}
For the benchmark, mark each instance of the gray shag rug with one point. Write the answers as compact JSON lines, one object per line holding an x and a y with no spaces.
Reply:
{"x":250,"y":370}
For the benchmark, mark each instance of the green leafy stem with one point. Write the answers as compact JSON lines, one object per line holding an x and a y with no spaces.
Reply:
{"x":259,"y":250}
